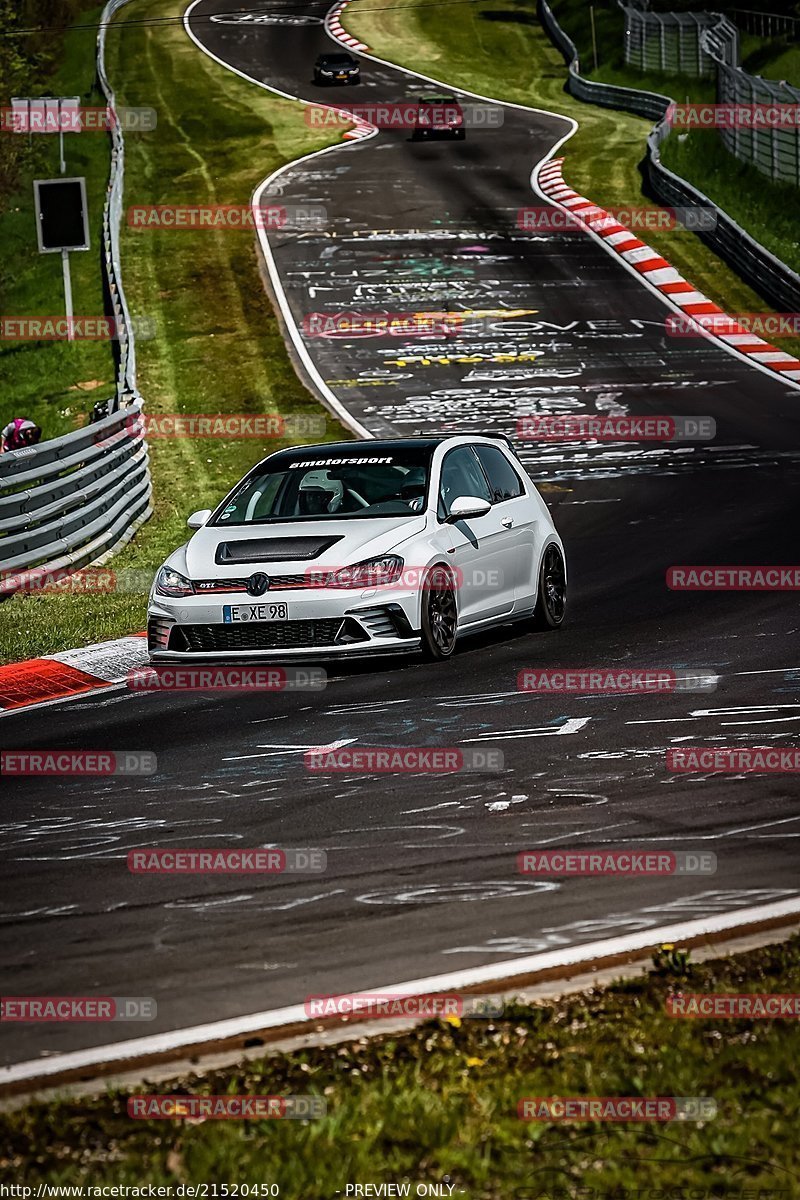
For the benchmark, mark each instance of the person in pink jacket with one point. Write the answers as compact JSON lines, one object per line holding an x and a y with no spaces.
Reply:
{"x":18,"y":433}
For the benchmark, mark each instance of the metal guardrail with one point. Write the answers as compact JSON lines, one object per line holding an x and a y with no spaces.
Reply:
{"x":643,"y":104}
{"x":75,"y":500}
{"x":752,"y":261}
{"x":112,"y":216}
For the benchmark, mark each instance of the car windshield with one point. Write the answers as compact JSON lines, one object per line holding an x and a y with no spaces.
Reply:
{"x":337,"y":60}
{"x":343,"y":487}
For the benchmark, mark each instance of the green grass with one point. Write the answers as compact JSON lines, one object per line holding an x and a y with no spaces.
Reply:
{"x":218,"y":346}
{"x":439,"y":1104}
{"x":777,"y":58}
{"x":497,"y":48}
{"x":739,"y":189}
{"x":54,"y":383}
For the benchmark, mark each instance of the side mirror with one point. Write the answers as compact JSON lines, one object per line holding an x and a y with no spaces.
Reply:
{"x":464,"y":507}
{"x":198,"y":519}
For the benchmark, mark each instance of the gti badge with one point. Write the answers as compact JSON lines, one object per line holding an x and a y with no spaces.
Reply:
{"x":258,"y":584}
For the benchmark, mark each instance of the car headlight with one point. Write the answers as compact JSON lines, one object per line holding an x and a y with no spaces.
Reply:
{"x":373,"y":573}
{"x":171,"y":583}
{"x":325,"y":72}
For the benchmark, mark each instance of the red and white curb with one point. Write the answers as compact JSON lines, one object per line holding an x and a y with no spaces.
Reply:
{"x":56,"y":677}
{"x":335,"y":28}
{"x":656,"y":271}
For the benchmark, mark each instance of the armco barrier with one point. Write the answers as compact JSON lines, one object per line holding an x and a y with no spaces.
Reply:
{"x":112,"y":216}
{"x":752,"y":261}
{"x":73,"y":500}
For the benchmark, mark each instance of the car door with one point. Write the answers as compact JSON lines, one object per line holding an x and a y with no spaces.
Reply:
{"x":480,"y":552}
{"x":518,"y":515}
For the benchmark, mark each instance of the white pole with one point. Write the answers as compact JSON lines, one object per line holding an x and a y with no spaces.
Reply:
{"x":67,"y":294}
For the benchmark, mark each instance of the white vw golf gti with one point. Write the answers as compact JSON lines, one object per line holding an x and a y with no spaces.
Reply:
{"x":356,"y":548}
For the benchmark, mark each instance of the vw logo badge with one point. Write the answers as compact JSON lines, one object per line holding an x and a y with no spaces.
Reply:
{"x":257,"y":584}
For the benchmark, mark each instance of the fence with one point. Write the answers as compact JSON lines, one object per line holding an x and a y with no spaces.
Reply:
{"x":706,"y":45}
{"x":76,"y":499}
{"x":762,"y":270}
{"x":673,"y":43}
{"x":766,"y":25}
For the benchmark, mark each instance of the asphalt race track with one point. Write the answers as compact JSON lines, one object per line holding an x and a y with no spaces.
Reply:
{"x":422,"y":871}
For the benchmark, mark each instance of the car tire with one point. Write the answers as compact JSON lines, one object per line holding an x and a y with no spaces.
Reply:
{"x":439,"y":615}
{"x":551,"y":592}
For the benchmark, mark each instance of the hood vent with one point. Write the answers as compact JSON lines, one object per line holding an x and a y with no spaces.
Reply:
{"x":296,"y":549}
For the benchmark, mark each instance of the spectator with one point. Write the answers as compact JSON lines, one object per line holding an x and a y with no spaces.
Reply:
{"x":18,"y":433}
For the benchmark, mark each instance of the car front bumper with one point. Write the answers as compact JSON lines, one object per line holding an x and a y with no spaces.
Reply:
{"x":319,"y":623}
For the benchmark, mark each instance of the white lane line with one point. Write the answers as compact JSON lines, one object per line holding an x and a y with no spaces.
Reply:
{"x":275,"y":749}
{"x":532,"y":964}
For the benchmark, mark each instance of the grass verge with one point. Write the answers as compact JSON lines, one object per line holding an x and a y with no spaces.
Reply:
{"x":498,"y":48}
{"x":217,"y":346}
{"x":439,"y":1104}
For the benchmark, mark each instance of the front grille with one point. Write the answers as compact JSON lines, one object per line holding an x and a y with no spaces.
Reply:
{"x":277,"y":583}
{"x":255,"y":635}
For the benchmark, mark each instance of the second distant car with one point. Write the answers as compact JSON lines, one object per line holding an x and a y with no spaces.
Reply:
{"x":438,"y":116}
{"x":337,"y":68}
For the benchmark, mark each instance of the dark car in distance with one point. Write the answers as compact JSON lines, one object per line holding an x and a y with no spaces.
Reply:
{"x":337,"y":68}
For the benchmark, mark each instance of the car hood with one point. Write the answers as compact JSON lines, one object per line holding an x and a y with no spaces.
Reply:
{"x":291,"y":546}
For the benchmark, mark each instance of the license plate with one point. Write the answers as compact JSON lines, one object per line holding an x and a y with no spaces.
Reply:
{"x":341,"y":76}
{"x":232,"y":613}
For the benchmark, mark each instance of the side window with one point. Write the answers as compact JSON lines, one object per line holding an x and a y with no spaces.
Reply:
{"x":461,"y":476}
{"x":503,"y":479}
